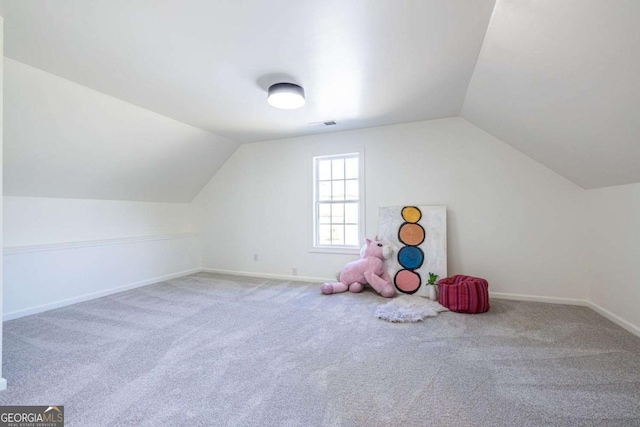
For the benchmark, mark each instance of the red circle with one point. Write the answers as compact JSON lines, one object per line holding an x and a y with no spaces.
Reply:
{"x":407,"y":281}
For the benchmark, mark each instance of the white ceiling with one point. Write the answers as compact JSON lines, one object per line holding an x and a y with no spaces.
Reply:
{"x":64,"y":140}
{"x":208,"y":63}
{"x":559,"y":80}
{"x":556,"y":79}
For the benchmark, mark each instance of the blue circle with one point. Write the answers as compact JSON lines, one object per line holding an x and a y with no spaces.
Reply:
{"x":410,"y":257}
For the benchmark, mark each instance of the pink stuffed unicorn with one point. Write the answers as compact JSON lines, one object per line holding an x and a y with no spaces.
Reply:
{"x":369,"y":269}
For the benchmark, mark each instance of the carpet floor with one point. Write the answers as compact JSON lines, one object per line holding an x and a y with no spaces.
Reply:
{"x":208,"y":350}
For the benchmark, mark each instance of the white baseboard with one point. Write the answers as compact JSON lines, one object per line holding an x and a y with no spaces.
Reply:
{"x":269,"y":275}
{"x":615,"y":318}
{"x":498,"y":295}
{"x":535,"y":298}
{"x":57,"y":304}
{"x":571,"y":301}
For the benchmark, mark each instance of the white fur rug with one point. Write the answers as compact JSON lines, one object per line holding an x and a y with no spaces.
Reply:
{"x":405,"y":308}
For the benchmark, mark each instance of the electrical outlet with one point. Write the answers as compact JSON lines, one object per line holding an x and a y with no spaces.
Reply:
{"x":294,"y":271}
{"x":255,"y":257}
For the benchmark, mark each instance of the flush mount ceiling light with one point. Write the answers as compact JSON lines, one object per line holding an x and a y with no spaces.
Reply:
{"x":287,"y":96}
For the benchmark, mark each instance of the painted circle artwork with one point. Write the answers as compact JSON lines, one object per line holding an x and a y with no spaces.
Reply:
{"x":407,"y":281}
{"x":410,"y":257}
{"x":411,"y":234}
{"x":411,"y":214}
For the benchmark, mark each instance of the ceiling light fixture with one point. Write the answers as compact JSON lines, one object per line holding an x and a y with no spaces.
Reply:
{"x":287,"y":96}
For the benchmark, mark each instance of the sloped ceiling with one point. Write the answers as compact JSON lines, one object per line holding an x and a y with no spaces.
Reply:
{"x":64,"y":140}
{"x":560,"y":81}
{"x":209,"y":63}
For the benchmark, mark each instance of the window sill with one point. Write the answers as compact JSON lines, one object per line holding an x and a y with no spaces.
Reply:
{"x":336,"y":251}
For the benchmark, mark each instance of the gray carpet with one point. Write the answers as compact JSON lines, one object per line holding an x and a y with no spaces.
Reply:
{"x":220,"y":350}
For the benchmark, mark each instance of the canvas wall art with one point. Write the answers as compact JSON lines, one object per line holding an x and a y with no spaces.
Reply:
{"x":418,"y":235}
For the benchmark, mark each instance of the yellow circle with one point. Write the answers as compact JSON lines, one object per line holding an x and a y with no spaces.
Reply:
{"x":411,"y":214}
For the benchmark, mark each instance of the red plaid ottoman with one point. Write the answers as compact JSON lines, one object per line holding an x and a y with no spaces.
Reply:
{"x":464,"y":294}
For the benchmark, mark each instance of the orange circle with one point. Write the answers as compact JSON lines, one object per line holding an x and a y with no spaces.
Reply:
{"x":411,"y":214}
{"x":407,"y":281}
{"x":411,"y":234}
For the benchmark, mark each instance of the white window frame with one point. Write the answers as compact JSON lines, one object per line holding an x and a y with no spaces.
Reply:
{"x":339,"y":249}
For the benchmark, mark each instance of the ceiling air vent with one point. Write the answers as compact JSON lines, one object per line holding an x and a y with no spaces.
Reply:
{"x":323,"y":124}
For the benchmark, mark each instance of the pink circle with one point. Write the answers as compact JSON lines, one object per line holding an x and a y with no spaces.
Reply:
{"x":407,"y":281}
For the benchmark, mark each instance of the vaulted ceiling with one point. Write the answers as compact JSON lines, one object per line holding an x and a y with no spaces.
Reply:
{"x":64,"y":140}
{"x":559,"y":80}
{"x":556,"y":79}
{"x":209,"y":63}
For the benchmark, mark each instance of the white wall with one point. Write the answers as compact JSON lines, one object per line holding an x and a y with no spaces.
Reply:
{"x":61,"y":251}
{"x":37,"y":221}
{"x":113,"y":175}
{"x":614,"y":249}
{"x":3,"y":382}
{"x":510,"y":219}
{"x":42,"y":278}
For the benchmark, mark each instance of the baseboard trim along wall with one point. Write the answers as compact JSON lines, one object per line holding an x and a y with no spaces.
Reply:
{"x":89,"y":296}
{"x":571,"y":301}
{"x":44,"y":277}
{"x":498,"y":295}
{"x":63,"y":303}
{"x":537,"y":298}
{"x":615,"y":318}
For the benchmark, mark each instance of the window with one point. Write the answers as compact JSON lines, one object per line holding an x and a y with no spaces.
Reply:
{"x":337,"y":197}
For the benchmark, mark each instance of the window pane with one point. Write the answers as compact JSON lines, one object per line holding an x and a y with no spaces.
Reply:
{"x":337,"y":235}
{"x":351,"y":168}
{"x":324,"y":190}
{"x":351,"y":235}
{"x":324,"y":213}
{"x":338,"y":190}
{"x":352,"y":190}
{"x":324,"y":170}
{"x":351,"y":213}
{"x":324,"y":235}
{"x":337,"y":169}
{"x":337,"y":213}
